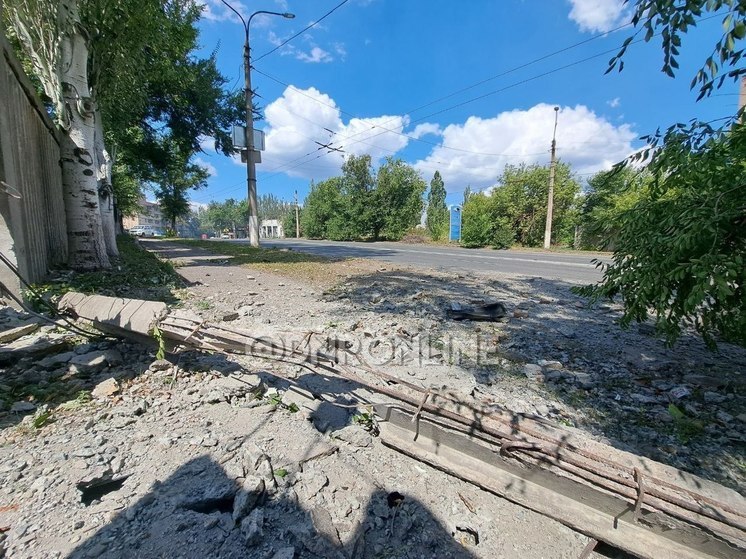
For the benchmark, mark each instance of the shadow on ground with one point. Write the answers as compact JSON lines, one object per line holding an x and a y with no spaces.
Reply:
{"x":195,"y":513}
{"x":617,"y":384}
{"x":233,"y":253}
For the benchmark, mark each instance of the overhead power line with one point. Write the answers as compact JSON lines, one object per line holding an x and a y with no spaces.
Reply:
{"x":313,"y":24}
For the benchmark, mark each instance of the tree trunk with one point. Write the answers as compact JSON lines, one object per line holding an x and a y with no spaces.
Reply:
{"x":77,"y":154}
{"x":104,"y":165}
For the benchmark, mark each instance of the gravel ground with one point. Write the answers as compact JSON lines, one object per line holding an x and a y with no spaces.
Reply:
{"x":215,"y":456}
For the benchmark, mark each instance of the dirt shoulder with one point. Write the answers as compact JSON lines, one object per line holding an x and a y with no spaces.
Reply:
{"x":107,"y":451}
{"x":551,"y":355}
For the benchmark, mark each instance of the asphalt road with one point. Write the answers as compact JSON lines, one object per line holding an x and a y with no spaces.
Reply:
{"x":549,"y":265}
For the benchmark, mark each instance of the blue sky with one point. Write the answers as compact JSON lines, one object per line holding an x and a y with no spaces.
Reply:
{"x":460,"y":87}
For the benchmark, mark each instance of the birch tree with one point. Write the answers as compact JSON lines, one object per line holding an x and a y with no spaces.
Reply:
{"x":56,"y":43}
{"x":119,"y":72}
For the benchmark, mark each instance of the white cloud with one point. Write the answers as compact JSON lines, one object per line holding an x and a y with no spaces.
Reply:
{"x":426,"y":128}
{"x":207,"y":143}
{"x":340,"y":49}
{"x":300,"y":118}
{"x":206,"y":165}
{"x":599,"y":15}
{"x":585,"y":140}
{"x":614,"y":103}
{"x":316,"y":54}
{"x":215,"y":10}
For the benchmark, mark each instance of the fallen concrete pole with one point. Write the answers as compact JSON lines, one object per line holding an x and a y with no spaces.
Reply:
{"x":684,"y":510}
{"x":601,"y":516}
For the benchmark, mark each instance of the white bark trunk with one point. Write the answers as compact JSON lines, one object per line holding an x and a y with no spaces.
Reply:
{"x":85,"y":234}
{"x":105,"y":191}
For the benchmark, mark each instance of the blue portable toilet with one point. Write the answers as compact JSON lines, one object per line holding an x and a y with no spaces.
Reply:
{"x":454,"y":231}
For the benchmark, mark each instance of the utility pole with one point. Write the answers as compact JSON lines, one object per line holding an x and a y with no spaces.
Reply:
{"x":250,"y":155}
{"x":550,"y":197}
{"x":250,"y":162}
{"x":297,"y":217}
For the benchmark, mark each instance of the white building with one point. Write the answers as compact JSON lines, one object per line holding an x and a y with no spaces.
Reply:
{"x":271,"y":229}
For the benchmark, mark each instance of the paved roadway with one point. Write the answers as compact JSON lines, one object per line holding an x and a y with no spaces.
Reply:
{"x":573,"y":267}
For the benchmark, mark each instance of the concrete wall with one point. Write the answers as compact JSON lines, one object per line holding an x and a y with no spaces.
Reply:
{"x":33,"y":232}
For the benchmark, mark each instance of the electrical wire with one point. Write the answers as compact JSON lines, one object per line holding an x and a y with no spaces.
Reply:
{"x":55,"y":311}
{"x":313,"y":24}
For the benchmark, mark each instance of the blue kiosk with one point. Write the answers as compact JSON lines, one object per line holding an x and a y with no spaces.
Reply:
{"x":454,"y":231}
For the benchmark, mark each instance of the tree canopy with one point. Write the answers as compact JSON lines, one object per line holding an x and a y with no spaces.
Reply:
{"x":681,"y":245}
{"x":362,"y":204}
{"x":437,"y":211}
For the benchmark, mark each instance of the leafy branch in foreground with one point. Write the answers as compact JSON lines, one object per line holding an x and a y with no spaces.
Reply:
{"x":673,"y":18}
{"x":681,"y":250}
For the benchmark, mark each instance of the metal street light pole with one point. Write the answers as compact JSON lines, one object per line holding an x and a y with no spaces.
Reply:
{"x":250,"y":157}
{"x":550,"y":197}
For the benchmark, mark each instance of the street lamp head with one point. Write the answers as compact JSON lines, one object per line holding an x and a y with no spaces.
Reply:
{"x":288,"y":15}
{"x":556,"y":108}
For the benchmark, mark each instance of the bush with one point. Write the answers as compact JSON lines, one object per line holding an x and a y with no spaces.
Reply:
{"x":503,"y":235}
{"x":476,"y":222}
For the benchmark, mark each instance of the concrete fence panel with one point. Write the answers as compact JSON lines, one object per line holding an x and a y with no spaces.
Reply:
{"x":33,"y":232}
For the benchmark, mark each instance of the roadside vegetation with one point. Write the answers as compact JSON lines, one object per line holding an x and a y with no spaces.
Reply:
{"x":135,"y":273}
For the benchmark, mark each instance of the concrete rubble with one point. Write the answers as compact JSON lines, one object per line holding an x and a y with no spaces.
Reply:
{"x":208,"y":455}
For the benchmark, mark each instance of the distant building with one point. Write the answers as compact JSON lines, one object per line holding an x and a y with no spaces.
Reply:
{"x":148,"y":214}
{"x":271,"y":229}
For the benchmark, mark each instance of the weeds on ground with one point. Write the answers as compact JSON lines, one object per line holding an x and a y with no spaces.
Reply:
{"x":685,"y":428}
{"x":134,"y":273}
{"x":367,"y":421}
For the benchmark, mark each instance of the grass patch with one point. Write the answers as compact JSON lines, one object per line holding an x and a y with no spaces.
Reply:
{"x":319,"y":271}
{"x":135,"y":273}
{"x":243,"y":253}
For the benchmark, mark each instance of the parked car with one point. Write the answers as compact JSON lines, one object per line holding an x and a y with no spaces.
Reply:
{"x":146,"y":231}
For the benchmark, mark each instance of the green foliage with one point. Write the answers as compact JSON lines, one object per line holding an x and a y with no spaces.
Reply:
{"x":396,"y":200}
{"x":610,"y":194}
{"x":322,"y":209}
{"x":356,"y":213}
{"x":476,"y":221}
{"x":158,"y":336}
{"x":271,"y":207}
{"x":221,"y":217}
{"x":502,"y":233}
{"x":173,"y":179}
{"x":437,"y":211}
{"x":288,"y":222}
{"x":685,"y":427}
{"x":42,"y":417}
{"x":515,"y":210}
{"x":82,"y":398}
{"x":136,"y":273}
{"x":364,"y":205}
{"x":521,"y":197}
{"x":367,"y":420}
{"x":148,"y":87}
{"x":682,"y":248}
{"x":673,"y":18}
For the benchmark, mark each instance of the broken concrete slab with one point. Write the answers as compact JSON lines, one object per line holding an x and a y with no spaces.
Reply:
{"x":34,"y":347}
{"x":18,"y":332}
{"x":104,"y":389}
{"x":123,"y":317}
{"x":93,"y":362}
